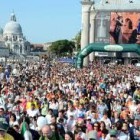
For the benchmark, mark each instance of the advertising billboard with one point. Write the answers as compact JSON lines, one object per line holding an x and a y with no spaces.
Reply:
{"x":124,"y":27}
{"x":102,"y":25}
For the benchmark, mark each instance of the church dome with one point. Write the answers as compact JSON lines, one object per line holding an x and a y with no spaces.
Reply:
{"x":12,"y":27}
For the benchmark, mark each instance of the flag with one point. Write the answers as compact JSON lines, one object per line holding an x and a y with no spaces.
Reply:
{"x":24,"y":128}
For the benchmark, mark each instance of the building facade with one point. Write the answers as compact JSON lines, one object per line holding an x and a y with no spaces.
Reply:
{"x":97,"y":20}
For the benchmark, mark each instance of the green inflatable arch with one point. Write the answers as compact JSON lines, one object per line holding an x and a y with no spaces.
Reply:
{"x":100,"y":47}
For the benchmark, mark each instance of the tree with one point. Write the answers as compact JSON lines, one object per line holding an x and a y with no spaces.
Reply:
{"x":61,"y":47}
{"x":77,"y":41}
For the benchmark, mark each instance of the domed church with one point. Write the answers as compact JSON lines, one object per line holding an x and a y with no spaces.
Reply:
{"x":13,"y":38}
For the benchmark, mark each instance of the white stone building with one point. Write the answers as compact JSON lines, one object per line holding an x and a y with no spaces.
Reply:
{"x":13,"y":38}
{"x":47,"y":45}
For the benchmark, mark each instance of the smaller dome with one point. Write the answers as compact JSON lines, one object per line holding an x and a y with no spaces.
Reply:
{"x":12,"y":27}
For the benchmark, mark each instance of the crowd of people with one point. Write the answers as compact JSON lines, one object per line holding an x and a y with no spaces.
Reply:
{"x":55,"y":101}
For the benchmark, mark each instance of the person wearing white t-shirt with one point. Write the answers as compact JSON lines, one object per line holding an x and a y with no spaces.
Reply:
{"x":101,"y":107}
{"x":106,"y":120}
{"x":133,"y":107}
{"x":124,"y":134}
{"x":54,"y":106}
{"x":49,"y":115}
{"x":70,"y":124}
{"x":33,"y":111}
{"x":72,"y":111}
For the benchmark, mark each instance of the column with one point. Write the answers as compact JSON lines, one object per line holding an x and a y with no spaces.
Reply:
{"x":92,"y":33}
{"x":126,"y":61}
{"x":86,"y":5}
{"x":23,"y":48}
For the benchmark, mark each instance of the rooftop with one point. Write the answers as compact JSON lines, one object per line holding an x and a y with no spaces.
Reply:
{"x":117,"y":5}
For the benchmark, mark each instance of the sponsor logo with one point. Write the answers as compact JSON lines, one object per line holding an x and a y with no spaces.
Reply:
{"x":115,"y":48}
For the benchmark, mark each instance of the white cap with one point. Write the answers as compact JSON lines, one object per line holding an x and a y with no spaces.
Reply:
{"x":129,"y":97}
{"x":71,"y":114}
{"x":15,"y":123}
{"x":1,"y":106}
{"x":88,"y":117}
{"x":134,"y":101}
{"x":41,"y":121}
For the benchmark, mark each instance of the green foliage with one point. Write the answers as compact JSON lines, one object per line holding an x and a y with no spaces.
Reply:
{"x":78,"y":40}
{"x":62,"y":47}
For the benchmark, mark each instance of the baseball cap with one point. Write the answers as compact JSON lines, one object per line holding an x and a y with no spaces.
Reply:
{"x":92,"y":135}
{"x":2,"y":107}
{"x":4,"y":126}
{"x":113,"y":132}
{"x":71,"y":114}
{"x":88,"y":118}
{"x":15,"y":123}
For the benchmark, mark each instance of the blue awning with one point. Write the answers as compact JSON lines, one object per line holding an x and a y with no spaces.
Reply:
{"x":66,"y":60}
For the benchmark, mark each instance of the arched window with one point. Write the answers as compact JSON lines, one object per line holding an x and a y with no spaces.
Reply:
{"x":26,"y":48}
{"x":6,"y":38}
{"x":14,"y":38}
{"x":16,"y":47}
{"x":9,"y":38}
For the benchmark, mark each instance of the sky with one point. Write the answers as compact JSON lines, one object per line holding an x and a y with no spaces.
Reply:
{"x":44,"y":20}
